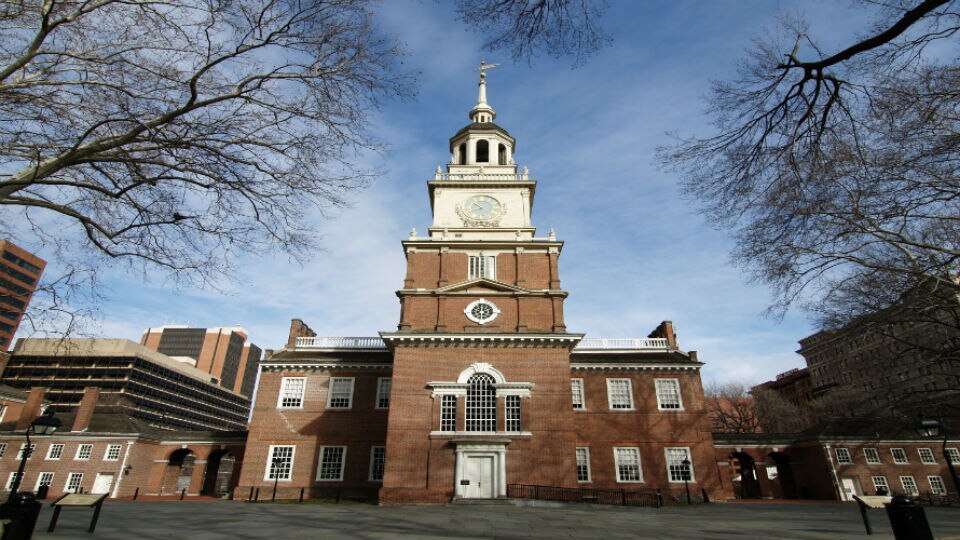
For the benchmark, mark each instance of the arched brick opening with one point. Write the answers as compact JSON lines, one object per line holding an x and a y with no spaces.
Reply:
{"x":745,"y":483}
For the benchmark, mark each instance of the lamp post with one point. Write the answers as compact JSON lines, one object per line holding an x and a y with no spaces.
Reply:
{"x":277,"y":463}
{"x":931,"y":427}
{"x":45,"y":424}
{"x":686,"y":477}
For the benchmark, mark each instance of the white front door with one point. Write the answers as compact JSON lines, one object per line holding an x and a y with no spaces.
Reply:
{"x":103,"y":483}
{"x":478,"y":470}
{"x":851,"y":487}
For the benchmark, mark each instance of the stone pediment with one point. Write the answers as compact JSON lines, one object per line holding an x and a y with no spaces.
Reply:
{"x":481,"y":286}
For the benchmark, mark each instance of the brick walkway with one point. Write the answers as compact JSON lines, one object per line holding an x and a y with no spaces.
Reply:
{"x":191,"y":520}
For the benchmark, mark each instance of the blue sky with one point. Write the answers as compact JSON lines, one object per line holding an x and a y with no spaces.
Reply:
{"x":635,"y":252}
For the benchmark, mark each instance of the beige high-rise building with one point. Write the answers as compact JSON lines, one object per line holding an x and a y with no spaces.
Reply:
{"x":223,"y":352}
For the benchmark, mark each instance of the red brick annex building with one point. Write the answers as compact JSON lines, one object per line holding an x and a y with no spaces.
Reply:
{"x":482,"y":385}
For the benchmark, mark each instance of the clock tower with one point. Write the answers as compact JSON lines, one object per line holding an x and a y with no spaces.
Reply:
{"x":481,"y":356}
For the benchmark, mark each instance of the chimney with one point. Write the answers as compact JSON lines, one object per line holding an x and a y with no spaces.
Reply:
{"x":665,"y":330}
{"x":88,"y":403}
{"x":298,"y":329}
{"x":31,"y":409}
{"x":693,"y":356}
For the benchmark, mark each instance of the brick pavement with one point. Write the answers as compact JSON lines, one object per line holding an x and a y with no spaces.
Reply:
{"x":209,"y":520}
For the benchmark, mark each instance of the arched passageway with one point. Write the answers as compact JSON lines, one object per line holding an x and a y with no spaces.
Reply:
{"x":218,"y":478}
{"x":745,"y":483}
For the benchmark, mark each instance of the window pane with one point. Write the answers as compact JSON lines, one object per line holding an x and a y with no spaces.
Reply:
{"x":576,"y":388}
{"x":628,"y":464}
{"x":331,"y":463}
{"x":583,"y":464}
{"x":675,"y":467}
{"x":619,"y":393}
{"x":291,"y":391}
{"x":448,"y":413}
{"x":383,"y":393}
{"x":481,"y":403}
{"x":512,"y":407}
{"x":377,"y":462}
{"x":668,"y":394}
{"x":341,"y":392}
{"x":280,"y":466}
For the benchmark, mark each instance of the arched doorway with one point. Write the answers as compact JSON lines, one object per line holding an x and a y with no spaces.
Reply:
{"x":218,"y":478}
{"x":788,"y":486}
{"x":179,"y":471}
{"x":745,"y":482}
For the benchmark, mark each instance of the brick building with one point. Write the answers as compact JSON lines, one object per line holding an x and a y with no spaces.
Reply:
{"x":102,"y":448}
{"x":223,"y":352}
{"x":793,"y":385}
{"x":20,"y":271}
{"x":836,"y":460}
{"x":160,"y":391}
{"x":482,"y":386}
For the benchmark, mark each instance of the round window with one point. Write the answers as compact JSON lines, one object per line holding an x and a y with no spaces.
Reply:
{"x":481,"y":311}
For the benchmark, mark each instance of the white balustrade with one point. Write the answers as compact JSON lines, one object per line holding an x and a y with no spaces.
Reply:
{"x":481,"y":176}
{"x":622,"y":343}
{"x":340,"y":343}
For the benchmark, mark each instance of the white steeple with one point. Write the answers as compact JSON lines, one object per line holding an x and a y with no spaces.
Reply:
{"x":482,"y":112}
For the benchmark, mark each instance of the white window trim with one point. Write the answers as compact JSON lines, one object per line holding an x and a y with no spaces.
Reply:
{"x":676,"y":385}
{"x":933,"y":457}
{"x":10,"y":480}
{"x":380,"y":383}
{"x":616,"y":464}
{"x":373,"y":453}
{"x":689,"y":455}
{"x":939,"y":490}
{"x":349,"y":399}
{"x":953,"y":451}
{"x":629,"y":394}
{"x":76,"y":456}
{"x":577,"y":385}
{"x":50,"y":451}
{"x":23,"y":448}
{"x":906,"y":460}
{"x":482,"y":267}
{"x":40,"y":478}
{"x":868,"y":459}
{"x":283,"y":387}
{"x":586,"y":451}
{"x":343,"y":463}
{"x":916,"y":487}
{"x":106,"y":453}
{"x":66,"y":486}
{"x":270,"y":454}
{"x":886,"y":484}
{"x":848,"y":460}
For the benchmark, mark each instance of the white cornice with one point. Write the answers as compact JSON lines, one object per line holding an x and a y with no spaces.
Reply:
{"x":322,"y":363}
{"x":483,"y":340}
{"x":692,"y":366}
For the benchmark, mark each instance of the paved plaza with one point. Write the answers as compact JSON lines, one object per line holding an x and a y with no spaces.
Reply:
{"x":203,"y":520}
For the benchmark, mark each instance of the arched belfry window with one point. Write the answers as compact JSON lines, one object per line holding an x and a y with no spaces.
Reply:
{"x":481,"y":403}
{"x":502,"y":155}
{"x":463,"y":154}
{"x":483,"y":151}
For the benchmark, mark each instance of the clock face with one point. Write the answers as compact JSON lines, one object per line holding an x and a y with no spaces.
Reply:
{"x":482,"y":207}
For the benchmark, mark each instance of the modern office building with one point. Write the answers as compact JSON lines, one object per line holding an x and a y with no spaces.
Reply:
{"x":223,"y":352}
{"x":20,"y":272}
{"x":157,"y":389}
{"x":482,"y":389}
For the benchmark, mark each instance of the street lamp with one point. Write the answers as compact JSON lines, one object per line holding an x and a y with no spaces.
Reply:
{"x":277,"y":463}
{"x":45,"y":424}
{"x":930,"y":427}
{"x":686,"y":477}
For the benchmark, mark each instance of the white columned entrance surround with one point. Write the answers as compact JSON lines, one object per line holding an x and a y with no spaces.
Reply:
{"x":481,"y":469}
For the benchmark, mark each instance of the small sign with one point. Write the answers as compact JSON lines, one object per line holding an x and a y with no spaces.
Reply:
{"x":80,"y":499}
{"x":464,"y":482}
{"x":873,"y":501}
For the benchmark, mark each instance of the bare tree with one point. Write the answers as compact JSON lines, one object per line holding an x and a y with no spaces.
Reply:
{"x":180,"y":134}
{"x":528,"y":28}
{"x":776,"y":414}
{"x":838,"y":173}
{"x":731,"y":408}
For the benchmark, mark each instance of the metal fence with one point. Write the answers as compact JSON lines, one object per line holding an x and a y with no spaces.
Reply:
{"x":622,"y":497}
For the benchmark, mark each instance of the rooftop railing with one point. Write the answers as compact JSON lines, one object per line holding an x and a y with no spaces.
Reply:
{"x":585,"y":344}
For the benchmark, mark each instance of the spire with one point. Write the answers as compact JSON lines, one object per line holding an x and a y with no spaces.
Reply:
{"x":482,"y":112}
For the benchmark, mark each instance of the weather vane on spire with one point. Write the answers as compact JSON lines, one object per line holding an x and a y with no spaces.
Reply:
{"x":484,"y":67}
